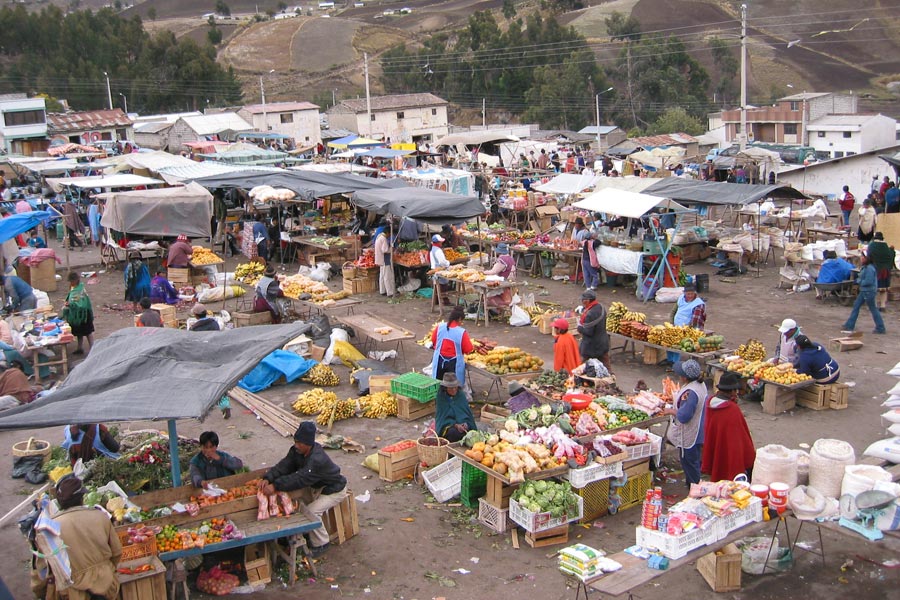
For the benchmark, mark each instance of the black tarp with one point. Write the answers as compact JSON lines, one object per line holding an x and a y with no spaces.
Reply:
{"x":139,"y":374}
{"x":308,"y":185}
{"x":421,"y":204}
{"x":715,"y":192}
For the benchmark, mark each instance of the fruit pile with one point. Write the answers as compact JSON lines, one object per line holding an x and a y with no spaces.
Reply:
{"x":453,"y":255}
{"x":784,"y":373}
{"x":378,"y":405}
{"x":502,"y":360}
{"x":204,"y":256}
{"x":294,"y":285}
{"x":672,"y":336}
{"x":340,"y":410}
{"x":314,"y":401}
{"x":462,"y":274}
{"x":322,"y":375}
{"x":619,"y":313}
{"x":710,"y":343}
{"x":249,"y":273}
{"x":248,"y":489}
{"x":367,"y":260}
{"x":752,"y":350}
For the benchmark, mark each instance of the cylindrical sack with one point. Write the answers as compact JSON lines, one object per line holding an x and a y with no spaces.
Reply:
{"x":775,"y":463}
{"x":862,"y":478}
{"x":826,"y":465}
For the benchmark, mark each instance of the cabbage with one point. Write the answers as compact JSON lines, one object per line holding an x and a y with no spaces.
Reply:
{"x":541,"y":485}
{"x":93,"y":498}
{"x":535,"y":508}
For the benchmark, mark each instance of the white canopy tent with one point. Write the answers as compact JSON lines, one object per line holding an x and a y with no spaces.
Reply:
{"x":568,"y":183}
{"x":122,"y":180}
{"x":625,"y":204}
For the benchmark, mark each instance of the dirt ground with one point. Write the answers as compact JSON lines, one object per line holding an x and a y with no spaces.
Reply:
{"x":394,"y":559}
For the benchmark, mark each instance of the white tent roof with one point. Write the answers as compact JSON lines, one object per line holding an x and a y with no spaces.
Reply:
{"x":624,"y":204}
{"x":658,"y":157}
{"x":475,"y":138}
{"x":196,"y":170}
{"x":568,"y":183}
{"x":152,"y":161}
{"x":114,"y":181}
{"x":628,"y":184}
{"x":46,"y":166}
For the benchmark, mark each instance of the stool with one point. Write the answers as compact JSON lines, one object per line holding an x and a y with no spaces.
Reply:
{"x":295,"y":542}
{"x":818,"y":526}
{"x":176,"y":573}
{"x":778,"y":522}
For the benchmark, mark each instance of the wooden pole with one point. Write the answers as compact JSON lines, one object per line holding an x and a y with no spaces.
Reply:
{"x":173,"y":453}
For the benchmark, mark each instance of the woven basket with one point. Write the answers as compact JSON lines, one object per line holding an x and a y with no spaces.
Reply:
{"x":432,"y":449}
{"x":348,"y":270}
{"x":32,"y":447}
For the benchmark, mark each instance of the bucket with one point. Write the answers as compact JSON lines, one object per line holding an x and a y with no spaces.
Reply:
{"x":762,"y":492}
{"x":702,"y":282}
{"x":778,"y":495}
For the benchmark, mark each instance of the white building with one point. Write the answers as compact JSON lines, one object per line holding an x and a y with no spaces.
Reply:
{"x":24,"y":124}
{"x":828,"y":177}
{"x":218,"y":126}
{"x":836,"y":136}
{"x":398,"y":118}
{"x":299,"y":120}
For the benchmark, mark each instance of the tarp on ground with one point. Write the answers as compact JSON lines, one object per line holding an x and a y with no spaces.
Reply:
{"x":276,"y":365}
{"x":624,"y":204}
{"x":430,"y":206}
{"x":150,"y":374}
{"x":715,"y":192}
{"x":162,"y":212}
{"x":16,"y":224}
{"x":568,"y":183}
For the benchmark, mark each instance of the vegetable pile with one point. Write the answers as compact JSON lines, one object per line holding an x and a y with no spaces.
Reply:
{"x":503,"y":360}
{"x":216,"y":582}
{"x":542,"y":496}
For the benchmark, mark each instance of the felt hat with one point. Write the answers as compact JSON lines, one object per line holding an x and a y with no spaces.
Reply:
{"x":579,"y":221}
{"x":68,"y":489}
{"x":561,"y":324}
{"x":729,"y":381}
{"x":503,"y":248}
{"x":306,"y":433}
{"x":787,"y":325}
{"x":450,"y":380}
{"x":270,"y":271}
{"x":436,"y":239}
{"x":514,"y":387}
{"x":199,"y":310}
{"x":689,"y":369}
{"x":588,"y":295}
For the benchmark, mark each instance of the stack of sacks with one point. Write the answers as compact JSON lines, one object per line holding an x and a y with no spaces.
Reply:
{"x":889,"y":449}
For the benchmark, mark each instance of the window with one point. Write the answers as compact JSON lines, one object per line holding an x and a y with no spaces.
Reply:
{"x":399,"y":115}
{"x":373,"y":117}
{"x":287,"y":117}
{"x":847,"y":134}
{"x":24,"y":117}
{"x":795,"y":106}
{"x":790,"y":129}
{"x":821,"y":134}
{"x":839,"y":155}
{"x":433,"y":112}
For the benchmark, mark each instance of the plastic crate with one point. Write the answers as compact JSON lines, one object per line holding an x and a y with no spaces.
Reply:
{"x":473,"y":485}
{"x":633,"y":492}
{"x":416,"y":386}
{"x":675,"y":546}
{"x":752,"y":514}
{"x":133,"y":551}
{"x":445,"y":480}
{"x":535,"y":522}
{"x":596,"y":500}
{"x":652,"y":448}
{"x":496,"y":519}
{"x":579,"y":478}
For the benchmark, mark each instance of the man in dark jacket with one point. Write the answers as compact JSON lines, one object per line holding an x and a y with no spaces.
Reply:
{"x":592,"y":327}
{"x":307,"y":466}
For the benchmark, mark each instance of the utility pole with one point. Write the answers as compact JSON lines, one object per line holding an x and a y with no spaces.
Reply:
{"x":368,"y":98}
{"x":108,"y":91}
{"x":742,"y":139}
{"x":262,"y":94}
{"x":125,"y":101}
{"x":484,"y":113}
{"x":609,"y":89}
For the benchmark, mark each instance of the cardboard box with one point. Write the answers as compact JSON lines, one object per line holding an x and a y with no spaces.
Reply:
{"x":257,"y":563}
{"x":846,"y":344}
{"x":398,"y":465}
{"x":41,"y":276}
{"x":545,"y":216}
{"x":722,"y":571}
{"x":317,"y":352}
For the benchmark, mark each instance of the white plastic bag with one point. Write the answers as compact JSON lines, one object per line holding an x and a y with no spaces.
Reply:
{"x":668,"y":295}
{"x":862,"y":478}
{"x":518,"y":317}
{"x":336,"y":334}
{"x":321,"y":273}
{"x":891,"y":416}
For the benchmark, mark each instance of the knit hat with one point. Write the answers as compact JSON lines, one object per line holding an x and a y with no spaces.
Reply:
{"x":182,"y":238}
{"x":450,"y":380}
{"x":514,"y":387}
{"x":588,"y":295}
{"x":729,"y":381}
{"x":306,"y":433}
{"x":503,"y":248}
{"x":69,"y":491}
{"x":199,"y":310}
{"x":561,"y":324}
{"x":787,"y":325}
{"x":689,"y":369}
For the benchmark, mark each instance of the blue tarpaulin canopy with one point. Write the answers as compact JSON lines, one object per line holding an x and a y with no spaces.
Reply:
{"x":13,"y":225}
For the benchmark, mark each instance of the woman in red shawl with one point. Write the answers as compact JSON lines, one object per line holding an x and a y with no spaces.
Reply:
{"x":728,"y":448}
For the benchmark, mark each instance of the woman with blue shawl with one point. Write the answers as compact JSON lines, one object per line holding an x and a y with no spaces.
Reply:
{"x":137,"y":279}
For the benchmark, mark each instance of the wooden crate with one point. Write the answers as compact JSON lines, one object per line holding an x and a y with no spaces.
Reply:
{"x":149,"y":585}
{"x":258,"y":563}
{"x":493,"y":412}
{"x":342,"y":521}
{"x":397,"y":465}
{"x":815,"y":397}
{"x":360,"y":285}
{"x":653,"y":356}
{"x":410,"y":409}
{"x":133,"y":552}
{"x":242,"y":319}
{"x":380,"y":383}
{"x":548,"y":537}
{"x":839,"y":396}
{"x":178,"y":276}
{"x":722,"y":571}
{"x":777,"y":400}
{"x":166,"y":312}
{"x":497,"y":493}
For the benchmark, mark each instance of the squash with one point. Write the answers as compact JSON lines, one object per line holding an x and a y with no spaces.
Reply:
{"x":488,"y":460}
{"x":477,"y":456}
{"x":471,"y":454}
{"x":500,"y":467}
{"x":478,"y":447}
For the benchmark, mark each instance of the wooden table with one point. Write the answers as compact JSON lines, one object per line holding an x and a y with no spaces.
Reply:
{"x":483,"y":288}
{"x":366,"y":324}
{"x":777,"y":397}
{"x":701,"y":357}
{"x":346,"y":304}
{"x":62,"y":361}
{"x":813,"y":233}
{"x":496,"y":379}
{"x":328,"y":251}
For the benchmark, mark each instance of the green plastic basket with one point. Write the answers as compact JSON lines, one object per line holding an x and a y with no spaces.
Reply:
{"x":473,"y":486}
{"x":416,"y":386}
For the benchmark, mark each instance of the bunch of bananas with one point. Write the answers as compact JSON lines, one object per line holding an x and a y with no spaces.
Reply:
{"x":752,"y":350}
{"x":615,"y":315}
{"x":537,"y":314}
{"x":672,"y":336}
{"x":378,"y":405}
{"x":249,"y":273}
{"x":204,"y":256}
{"x":637,"y":317}
{"x":340,"y":410}
{"x":322,"y":375}
{"x":314,"y":401}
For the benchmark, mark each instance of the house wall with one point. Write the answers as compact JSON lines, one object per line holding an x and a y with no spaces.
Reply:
{"x":304,"y":128}
{"x":28,"y":134}
{"x":830,"y":177}
{"x":179,"y":134}
{"x":417,"y":123}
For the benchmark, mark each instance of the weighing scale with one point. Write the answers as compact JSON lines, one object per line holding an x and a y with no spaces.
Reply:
{"x":859,"y":513}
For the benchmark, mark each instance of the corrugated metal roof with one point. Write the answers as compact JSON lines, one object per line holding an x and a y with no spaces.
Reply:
{"x":592,"y":129}
{"x":277,"y":107}
{"x":852,"y":121}
{"x":211,"y":124}
{"x":393,"y":102}
{"x":672,"y":139}
{"x":86,"y":121}
{"x":804,"y":96}
{"x":151,"y":127}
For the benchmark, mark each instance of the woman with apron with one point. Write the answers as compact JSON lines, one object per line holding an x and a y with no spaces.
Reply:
{"x":686,"y":428}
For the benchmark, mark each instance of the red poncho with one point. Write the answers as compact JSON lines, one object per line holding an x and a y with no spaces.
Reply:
{"x":727,"y":446}
{"x":565,"y":353}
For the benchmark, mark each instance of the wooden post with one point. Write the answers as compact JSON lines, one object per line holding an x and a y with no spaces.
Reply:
{"x":173,"y":453}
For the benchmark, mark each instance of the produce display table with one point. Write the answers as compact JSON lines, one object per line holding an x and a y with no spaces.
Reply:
{"x":334,"y":252}
{"x":777,"y":397}
{"x":366,"y":324}
{"x":653,"y":358}
{"x":483,"y":288}
{"x":308,"y":306}
{"x":496,"y":380}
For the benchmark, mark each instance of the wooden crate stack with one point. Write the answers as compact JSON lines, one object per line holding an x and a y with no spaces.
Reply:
{"x":821,"y":397}
{"x":258,"y":563}
{"x":410,"y":409}
{"x":147,"y":585}
{"x":179,"y":277}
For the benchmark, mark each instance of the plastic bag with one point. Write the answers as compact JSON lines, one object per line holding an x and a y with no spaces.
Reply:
{"x":806,"y":502}
{"x":518,"y":317}
{"x":29,"y":467}
{"x":668,"y":295}
{"x":862,"y":478}
{"x":347,"y":354}
{"x":321,"y":273}
{"x":754,"y":552}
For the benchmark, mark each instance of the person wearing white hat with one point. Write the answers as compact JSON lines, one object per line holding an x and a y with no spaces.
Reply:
{"x":786,"y":350}
{"x":438,"y":261}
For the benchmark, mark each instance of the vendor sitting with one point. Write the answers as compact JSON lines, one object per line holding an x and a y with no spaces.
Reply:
{"x":505,"y":267}
{"x":211,"y":463}
{"x":813,"y":360}
{"x":180,"y":253}
{"x":786,"y":350}
{"x":834,"y":270}
{"x":565,"y":348}
{"x":453,"y":418}
{"x":161,"y":290}
{"x":203,"y":321}
{"x":148,"y":316}
{"x":268,"y":291}
{"x":86,"y":441}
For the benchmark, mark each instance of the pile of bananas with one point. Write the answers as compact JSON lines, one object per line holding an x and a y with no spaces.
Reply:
{"x":249,"y":273}
{"x":537,"y":314}
{"x":321,"y":375}
{"x":378,"y":405}
{"x":672,"y":336}
{"x":615,"y":316}
{"x":314,"y":401}
{"x":204,"y":256}
{"x":340,"y":410}
{"x":752,"y":350}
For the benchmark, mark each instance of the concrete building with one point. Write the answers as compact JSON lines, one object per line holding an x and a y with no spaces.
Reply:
{"x":218,"y":126}
{"x":828,"y":177}
{"x":785,"y":122}
{"x":152,"y":135}
{"x":610,"y":135}
{"x":835,"y":136}
{"x":91,"y":126}
{"x":24,"y":125}
{"x":299,"y":120}
{"x":399,"y":118}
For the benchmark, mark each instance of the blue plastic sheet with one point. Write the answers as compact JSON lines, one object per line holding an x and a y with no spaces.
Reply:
{"x":13,"y":225}
{"x":279,"y":363}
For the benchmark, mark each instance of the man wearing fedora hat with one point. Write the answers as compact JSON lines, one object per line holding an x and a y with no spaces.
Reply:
{"x":453,"y":416}
{"x":306,"y":465}
{"x":203,"y":322}
{"x":268,"y":290}
{"x":728,"y":448}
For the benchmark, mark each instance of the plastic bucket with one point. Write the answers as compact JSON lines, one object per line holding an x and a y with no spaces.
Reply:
{"x":762,"y":492}
{"x":778,"y":495}
{"x":701,"y":281}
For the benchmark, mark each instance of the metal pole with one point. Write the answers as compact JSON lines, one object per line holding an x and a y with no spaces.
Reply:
{"x":125,"y":100}
{"x":484,"y":113}
{"x":368,"y":97}
{"x":173,"y":453}
{"x":742,"y":139}
{"x":598,"y":123}
{"x":262,"y":95}
{"x":108,"y":91}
